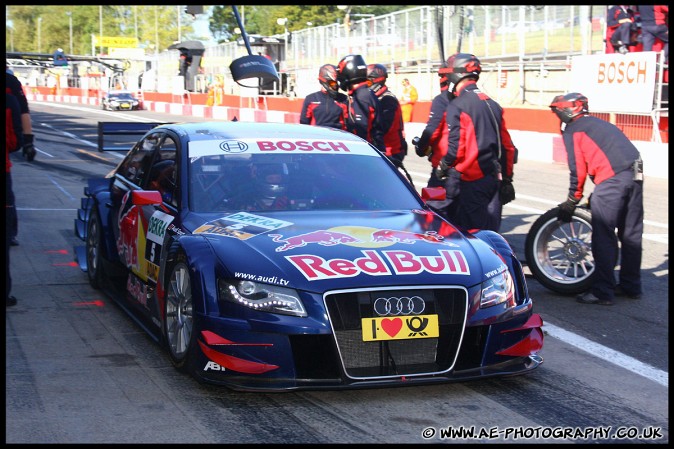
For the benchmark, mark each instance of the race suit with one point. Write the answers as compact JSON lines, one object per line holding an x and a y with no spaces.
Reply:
{"x":476,"y":129}
{"x":392,"y":124}
{"x":598,"y":149}
{"x":320,"y":109}
{"x":364,"y":115}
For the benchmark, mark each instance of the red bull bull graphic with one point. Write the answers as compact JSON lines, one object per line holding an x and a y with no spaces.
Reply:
{"x":358,"y":236}
{"x":384,"y":263}
{"x":390,"y":235}
{"x":322,"y":237}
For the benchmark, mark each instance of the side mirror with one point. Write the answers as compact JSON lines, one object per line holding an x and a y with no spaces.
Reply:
{"x":253,"y":66}
{"x":433,"y":194}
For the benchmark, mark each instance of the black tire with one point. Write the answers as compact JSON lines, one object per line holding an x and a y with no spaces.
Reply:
{"x":180,"y":333}
{"x":559,"y":255}
{"x":94,"y":250}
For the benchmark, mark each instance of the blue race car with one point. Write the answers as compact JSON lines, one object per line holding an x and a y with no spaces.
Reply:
{"x":278,"y":257}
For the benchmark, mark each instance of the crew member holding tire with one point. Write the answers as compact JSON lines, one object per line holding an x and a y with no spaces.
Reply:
{"x":598,"y":149}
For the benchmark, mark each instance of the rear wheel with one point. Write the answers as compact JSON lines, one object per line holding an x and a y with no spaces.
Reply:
{"x":94,"y":249}
{"x":559,"y":254}
{"x":179,"y":323}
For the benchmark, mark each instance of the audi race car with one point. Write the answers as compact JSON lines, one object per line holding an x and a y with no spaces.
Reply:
{"x":119,"y":100}
{"x":271,"y":257}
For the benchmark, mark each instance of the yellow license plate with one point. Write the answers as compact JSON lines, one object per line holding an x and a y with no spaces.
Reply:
{"x":126,"y":105}
{"x":400,"y":327}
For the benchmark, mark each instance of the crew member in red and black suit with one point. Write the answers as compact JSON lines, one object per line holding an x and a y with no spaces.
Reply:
{"x":326,"y":107}
{"x":363,"y":109}
{"x":599,"y":150}
{"x":480,"y":151}
{"x":391,"y":114}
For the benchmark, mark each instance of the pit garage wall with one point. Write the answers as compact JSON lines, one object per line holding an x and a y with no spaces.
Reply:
{"x":535,"y":131}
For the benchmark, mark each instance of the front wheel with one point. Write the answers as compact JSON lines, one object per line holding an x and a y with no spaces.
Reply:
{"x":179,"y":322}
{"x":559,"y":254}
{"x":94,"y":250}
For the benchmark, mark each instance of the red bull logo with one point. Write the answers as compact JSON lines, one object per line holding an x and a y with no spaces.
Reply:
{"x":322,"y":237}
{"x":374,"y":263}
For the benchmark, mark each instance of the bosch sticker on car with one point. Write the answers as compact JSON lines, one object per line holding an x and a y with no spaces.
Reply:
{"x":271,"y":146}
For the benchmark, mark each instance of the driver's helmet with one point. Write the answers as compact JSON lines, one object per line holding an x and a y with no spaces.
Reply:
{"x":272,"y":181}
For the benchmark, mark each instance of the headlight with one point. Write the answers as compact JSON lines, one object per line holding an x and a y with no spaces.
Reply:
{"x":497,"y":289}
{"x":263,"y":297}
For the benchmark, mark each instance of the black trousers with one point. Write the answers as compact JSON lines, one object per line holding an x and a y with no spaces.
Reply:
{"x":10,"y":222}
{"x":478,"y":205}
{"x":617,"y":204}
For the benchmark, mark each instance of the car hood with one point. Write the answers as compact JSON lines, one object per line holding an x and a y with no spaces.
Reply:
{"x":319,"y":251}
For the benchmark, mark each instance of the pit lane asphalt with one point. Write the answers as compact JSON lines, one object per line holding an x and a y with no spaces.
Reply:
{"x":79,"y":371}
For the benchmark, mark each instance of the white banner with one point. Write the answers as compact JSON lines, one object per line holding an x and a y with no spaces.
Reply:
{"x":615,"y":82}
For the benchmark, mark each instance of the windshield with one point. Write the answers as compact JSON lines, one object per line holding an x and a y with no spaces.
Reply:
{"x":124,"y":96}
{"x":259,"y":182}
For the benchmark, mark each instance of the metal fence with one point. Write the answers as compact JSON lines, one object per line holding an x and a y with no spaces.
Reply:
{"x":525,"y":53}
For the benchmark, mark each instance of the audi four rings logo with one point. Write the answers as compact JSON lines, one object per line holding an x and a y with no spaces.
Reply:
{"x":399,"y":306}
{"x":233,"y":146}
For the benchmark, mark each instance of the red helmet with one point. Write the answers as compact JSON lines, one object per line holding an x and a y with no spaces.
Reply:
{"x":377,"y":75}
{"x":327,"y":77}
{"x":351,"y":69}
{"x":569,"y":106}
{"x":458,"y":67}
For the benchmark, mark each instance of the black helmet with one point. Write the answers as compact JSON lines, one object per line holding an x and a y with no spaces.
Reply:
{"x":569,"y":106}
{"x":458,"y":67}
{"x":351,"y":69}
{"x":377,"y":74}
{"x":327,"y":76}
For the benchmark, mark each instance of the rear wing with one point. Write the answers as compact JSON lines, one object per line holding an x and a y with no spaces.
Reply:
{"x":126,"y":132}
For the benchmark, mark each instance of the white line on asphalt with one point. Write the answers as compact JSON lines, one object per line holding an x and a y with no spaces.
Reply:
{"x":608,"y":354}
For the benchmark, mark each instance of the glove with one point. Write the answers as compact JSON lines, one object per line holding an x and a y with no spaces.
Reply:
{"x":397,"y":159}
{"x":506,"y":192}
{"x":421,"y":152}
{"x":28,"y":147}
{"x":566,"y":209}
{"x":442,"y":170}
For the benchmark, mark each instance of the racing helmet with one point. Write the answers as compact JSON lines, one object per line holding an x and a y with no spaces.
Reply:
{"x":377,"y":74}
{"x":458,"y":67}
{"x":327,"y":77}
{"x":272,"y":180}
{"x":569,"y":106}
{"x":351,"y":69}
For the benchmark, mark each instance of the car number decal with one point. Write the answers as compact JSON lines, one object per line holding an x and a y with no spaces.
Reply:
{"x":156,"y":231}
{"x":400,"y":328}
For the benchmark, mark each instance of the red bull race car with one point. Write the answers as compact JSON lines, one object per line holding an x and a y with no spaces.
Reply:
{"x":270,"y":257}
